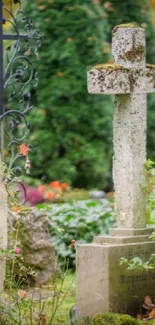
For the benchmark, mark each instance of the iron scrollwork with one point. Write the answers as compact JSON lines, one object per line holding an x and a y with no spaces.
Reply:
{"x":19,"y":77}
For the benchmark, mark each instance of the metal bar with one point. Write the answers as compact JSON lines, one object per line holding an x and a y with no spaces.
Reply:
{"x":14,"y":37}
{"x":1,"y":59}
{"x":1,"y":80}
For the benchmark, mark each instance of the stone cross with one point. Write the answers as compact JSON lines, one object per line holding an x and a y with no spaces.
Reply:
{"x":102,"y":283}
{"x":3,"y":226}
{"x":129,"y":79}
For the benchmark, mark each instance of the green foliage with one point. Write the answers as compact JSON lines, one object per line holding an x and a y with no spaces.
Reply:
{"x":136,"y":263}
{"x":72,"y":130}
{"x":78,"y":221}
{"x":114,"y":319}
{"x":150,"y":168}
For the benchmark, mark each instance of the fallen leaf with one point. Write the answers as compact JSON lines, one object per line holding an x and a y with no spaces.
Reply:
{"x":72,"y":243}
{"x":22,"y":294}
{"x":148,"y":303}
{"x":151,"y":315}
{"x":41,"y":318}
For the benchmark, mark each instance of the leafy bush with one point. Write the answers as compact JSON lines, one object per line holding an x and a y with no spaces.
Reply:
{"x":78,"y":221}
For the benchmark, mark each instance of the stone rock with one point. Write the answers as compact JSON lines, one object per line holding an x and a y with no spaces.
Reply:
{"x":35,"y":243}
{"x":97,"y":194}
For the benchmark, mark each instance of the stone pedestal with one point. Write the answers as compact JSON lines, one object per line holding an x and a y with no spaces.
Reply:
{"x":105,"y":285}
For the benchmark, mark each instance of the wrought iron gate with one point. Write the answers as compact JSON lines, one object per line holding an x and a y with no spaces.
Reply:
{"x":17,"y":77}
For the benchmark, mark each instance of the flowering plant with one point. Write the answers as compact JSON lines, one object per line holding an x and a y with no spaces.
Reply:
{"x":53,"y":192}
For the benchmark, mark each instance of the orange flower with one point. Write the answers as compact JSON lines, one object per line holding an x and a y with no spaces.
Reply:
{"x":49,"y":195}
{"x":60,"y":74}
{"x":108,"y":6}
{"x":71,"y":8}
{"x":109,"y":195}
{"x":41,"y":188}
{"x":96,"y":2}
{"x":41,"y":7}
{"x":44,"y":112}
{"x":54,"y":184}
{"x":69,"y":39}
{"x":64,"y":186}
{"x":15,"y":208}
{"x":23,"y":149}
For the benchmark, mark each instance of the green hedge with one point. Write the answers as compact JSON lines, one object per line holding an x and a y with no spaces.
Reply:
{"x":71,"y":129}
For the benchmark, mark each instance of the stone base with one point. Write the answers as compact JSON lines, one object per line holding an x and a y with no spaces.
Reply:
{"x":105,"y":285}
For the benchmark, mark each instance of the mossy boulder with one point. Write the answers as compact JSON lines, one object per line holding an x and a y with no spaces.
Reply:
{"x":37,"y":259}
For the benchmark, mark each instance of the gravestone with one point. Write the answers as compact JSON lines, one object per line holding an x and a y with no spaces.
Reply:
{"x":3,"y":226}
{"x":102,"y":283}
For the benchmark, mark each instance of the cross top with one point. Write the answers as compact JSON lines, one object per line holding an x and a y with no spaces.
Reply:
{"x":128,"y":46}
{"x":129,"y":73}
{"x":129,"y":79}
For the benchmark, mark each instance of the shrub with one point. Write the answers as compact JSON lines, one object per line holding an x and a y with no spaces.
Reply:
{"x":52,"y":192}
{"x":78,"y":221}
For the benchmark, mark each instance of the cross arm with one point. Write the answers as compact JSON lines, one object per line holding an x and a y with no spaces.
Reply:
{"x":115,"y":79}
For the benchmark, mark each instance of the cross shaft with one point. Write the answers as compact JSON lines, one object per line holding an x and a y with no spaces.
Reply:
{"x":129,"y":79}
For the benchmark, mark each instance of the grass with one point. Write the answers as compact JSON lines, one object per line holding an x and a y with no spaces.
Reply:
{"x":62,"y":315}
{"x":27,"y":311}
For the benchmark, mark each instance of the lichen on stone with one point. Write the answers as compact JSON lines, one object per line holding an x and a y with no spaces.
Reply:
{"x":132,"y":81}
{"x":130,"y":25}
{"x":136,"y":53}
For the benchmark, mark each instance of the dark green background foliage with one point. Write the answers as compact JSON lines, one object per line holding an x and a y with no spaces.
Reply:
{"x":72,"y":130}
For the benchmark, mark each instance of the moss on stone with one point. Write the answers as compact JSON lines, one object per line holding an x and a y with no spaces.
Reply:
{"x":109,"y":67}
{"x":151,"y":66}
{"x":114,"y":319}
{"x":130,"y":25}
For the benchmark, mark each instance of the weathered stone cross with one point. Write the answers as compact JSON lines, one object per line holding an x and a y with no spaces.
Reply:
{"x":102,"y":283}
{"x":129,"y":79}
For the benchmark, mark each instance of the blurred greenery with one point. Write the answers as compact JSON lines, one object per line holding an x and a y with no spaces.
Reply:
{"x":72,"y":130}
{"x":78,"y":221}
